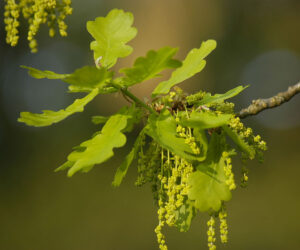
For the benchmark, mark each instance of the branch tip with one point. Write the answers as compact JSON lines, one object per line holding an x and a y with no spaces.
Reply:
{"x":261,"y":104}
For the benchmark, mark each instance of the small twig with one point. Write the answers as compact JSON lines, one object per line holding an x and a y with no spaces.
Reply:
{"x":132,"y":97}
{"x":126,"y":98}
{"x":262,"y":104}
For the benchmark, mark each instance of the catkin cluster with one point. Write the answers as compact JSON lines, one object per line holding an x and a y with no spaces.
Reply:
{"x":211,"y":228}
{"x":172,"y":191}
{"x":36,"y":12}
{"x":254,"y":141}
{"x":247,"y":135}
{"x":169,"y":173}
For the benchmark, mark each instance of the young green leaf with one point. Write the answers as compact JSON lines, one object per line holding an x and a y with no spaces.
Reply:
{"x":67,"y":164}
{"x":102,"y":90}
{"x":84,"y":79}
{"x":205,"y":120}
{"x":149,"y":67}
{"x":184,"y":216}
{"x":192,"y":64}
{"x":111,"y":33}
{"x":89,"y":77}
{"x":49,"y":117}
{"x":202,"y":139}
{"x":122,"y":170}
{"x":98,"y":119}
{"x":240,"y":142}
{"x":208,"y":98}
{"x":162,"y":129}
{"x":40,"y":74}
{"x":207,"y":184}
{"x":99,"y":148}
{"x":134,"y":116}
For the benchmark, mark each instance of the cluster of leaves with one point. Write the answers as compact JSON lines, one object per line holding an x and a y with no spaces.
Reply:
{"x":187,"y":150}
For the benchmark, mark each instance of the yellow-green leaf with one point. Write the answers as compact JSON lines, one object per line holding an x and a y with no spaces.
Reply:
{"x":89,"y":77}
{"x":207,"y":184}
{"x":99,"y":148}
{"x":149,"y":67}
{"x":40,"y":74}
{"x":49,"y":117}
{"x":184,"y":216}
{"x":84,"y":79}
{"x":162,"y":129}
{"x":98,"y":119}
{"x":205,"y":120}
{"x":192,"y":64}
{"x":123,"y":168}
{"x":208,"y":98}
{"x":240,"y":142}
{"x":111,"y":33}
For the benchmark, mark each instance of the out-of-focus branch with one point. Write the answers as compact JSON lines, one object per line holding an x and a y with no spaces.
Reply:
{"x":261,"y":104}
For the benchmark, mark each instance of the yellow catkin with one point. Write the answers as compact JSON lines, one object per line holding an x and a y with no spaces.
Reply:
{"x":223,"y":226}
{"x":161,"y":207}
{"x":189,"y":138}
{"x":211,"y":239}
{"x":247,"y":133}
{"x":228,"y":171}
{"x":36,"y":12}
{"x":173,"y":178}
{"x":11,"y":15}
{"x":158,"y":230}
{"x":244,"y":178}
{"x":176,"y":192}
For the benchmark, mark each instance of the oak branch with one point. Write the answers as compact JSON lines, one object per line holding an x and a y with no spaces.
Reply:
{"x":261,"y":104}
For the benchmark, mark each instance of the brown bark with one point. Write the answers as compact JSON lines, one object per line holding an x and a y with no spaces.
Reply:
{"x":261,"y":104}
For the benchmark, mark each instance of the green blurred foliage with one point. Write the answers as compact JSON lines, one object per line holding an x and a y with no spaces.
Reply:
{"x":40,"y":209}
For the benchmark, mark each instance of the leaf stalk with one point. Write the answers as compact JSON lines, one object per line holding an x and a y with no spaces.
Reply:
{"x":126,"y":92}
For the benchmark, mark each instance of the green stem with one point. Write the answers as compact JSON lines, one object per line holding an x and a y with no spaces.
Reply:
{"x":133,"y":97}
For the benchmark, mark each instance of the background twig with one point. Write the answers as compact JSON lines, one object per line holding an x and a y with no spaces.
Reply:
{"x":262,"y":104}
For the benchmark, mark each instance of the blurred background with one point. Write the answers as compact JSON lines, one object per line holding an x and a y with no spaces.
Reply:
{"x":258,"y":44}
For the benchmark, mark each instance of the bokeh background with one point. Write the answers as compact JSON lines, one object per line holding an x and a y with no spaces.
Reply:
{"x":258,"y":44}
